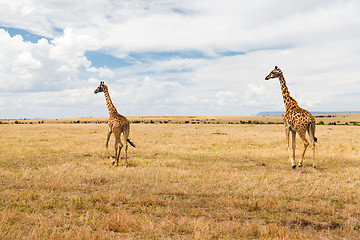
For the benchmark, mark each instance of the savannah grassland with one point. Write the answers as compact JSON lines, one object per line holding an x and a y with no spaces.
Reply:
{"x":185,"y":181}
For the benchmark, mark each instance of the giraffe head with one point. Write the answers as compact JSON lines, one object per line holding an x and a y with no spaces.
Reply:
{"x":100,"y":88}
{"x":276,"y":73}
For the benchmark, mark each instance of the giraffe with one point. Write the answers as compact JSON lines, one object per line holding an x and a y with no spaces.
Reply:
{"x":117,"y":124}
{"x":296,"y":120}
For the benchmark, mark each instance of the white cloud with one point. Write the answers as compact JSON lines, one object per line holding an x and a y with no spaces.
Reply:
{"x":256,"y":95}
{"x":148,"y":91}
{"x":315,"y":44}
{"x":224,"y":98}
{"x":26,"y":60}
{"x":44,"y":66}
{"x":70,"y":48}
{"x":178,"y":25}
{"x":103,"y":72}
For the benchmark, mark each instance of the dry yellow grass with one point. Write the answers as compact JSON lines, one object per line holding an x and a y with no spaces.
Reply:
{"x":203,"y":181}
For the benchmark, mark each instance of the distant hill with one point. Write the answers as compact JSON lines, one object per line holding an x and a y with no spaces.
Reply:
{"x":282,"y":113}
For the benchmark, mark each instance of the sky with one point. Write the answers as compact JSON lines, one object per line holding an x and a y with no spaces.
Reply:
{"x":176,"y":57}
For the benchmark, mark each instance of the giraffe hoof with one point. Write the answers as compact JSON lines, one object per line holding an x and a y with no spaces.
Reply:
{"x":300,"y":165}
{"x":293,"y":166}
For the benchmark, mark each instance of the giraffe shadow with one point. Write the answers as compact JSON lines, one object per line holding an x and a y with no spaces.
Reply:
{"x":307,"y":168}
{"x":130,"y":164}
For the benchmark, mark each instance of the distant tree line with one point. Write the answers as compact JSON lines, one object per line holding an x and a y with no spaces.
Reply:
{"x":195,"y":121}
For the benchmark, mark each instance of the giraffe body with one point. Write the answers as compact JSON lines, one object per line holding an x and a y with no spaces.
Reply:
{"x":296,"y":120}
{"x":118,"y":125}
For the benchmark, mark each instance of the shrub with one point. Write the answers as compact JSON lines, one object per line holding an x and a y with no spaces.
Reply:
{"x":321,"y":123}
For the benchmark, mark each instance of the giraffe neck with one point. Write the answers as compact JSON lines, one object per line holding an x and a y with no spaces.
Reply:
{"x":112,"y":110}
{"x":288,"y":100}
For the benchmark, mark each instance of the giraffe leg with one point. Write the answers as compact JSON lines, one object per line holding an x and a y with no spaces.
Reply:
{"x":126,"y":136}
{"x":293,"y":141}
{"x":306,"y":144}
{"x":312,"y":142}
{"x":126,"y":148}
{"x":313,"y":148}
{"x":116,"y":161}
{"x":119,"y":146}
{"x":291,"y":153}
{"x":107,"y":146}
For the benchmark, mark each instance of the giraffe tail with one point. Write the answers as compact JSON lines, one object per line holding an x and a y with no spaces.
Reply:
{"x":312,"y":131}
{"x":131,"y":143}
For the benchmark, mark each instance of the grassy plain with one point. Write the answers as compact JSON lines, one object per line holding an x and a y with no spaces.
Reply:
{"x":185,"y":181}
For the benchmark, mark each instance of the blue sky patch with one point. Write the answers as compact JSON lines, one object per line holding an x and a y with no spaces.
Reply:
{"x":101,"y":59}
{"x":27,"y":36}
{"x":231,"y":53}
{"x":182,"y":11}
{"x":146,"y":56}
